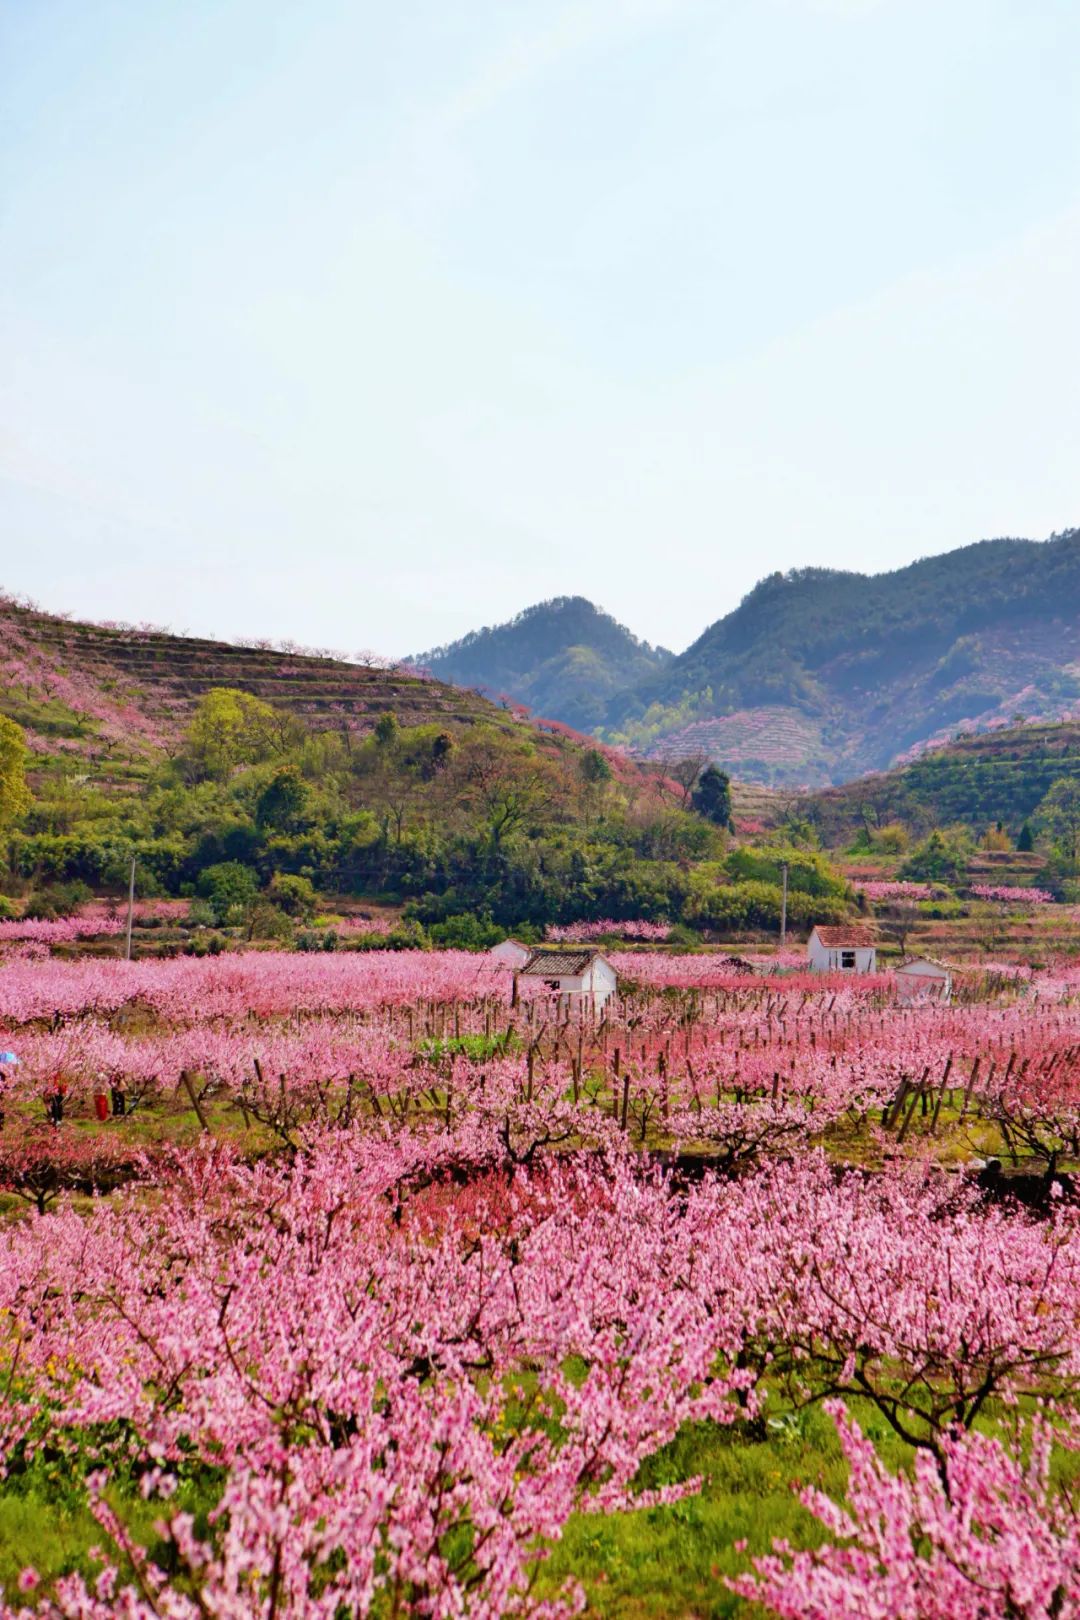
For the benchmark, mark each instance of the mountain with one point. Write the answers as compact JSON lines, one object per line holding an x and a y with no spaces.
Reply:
{"x":565,"y":659}
{"x":820,"y":676}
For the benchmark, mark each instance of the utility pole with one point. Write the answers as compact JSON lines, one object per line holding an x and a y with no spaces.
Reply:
{"x":783,"y":908}
{"x":131,"y":908}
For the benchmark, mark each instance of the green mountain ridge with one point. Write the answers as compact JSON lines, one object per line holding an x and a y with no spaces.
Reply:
{"x":565,"y":659}
{"x":819,"y":675}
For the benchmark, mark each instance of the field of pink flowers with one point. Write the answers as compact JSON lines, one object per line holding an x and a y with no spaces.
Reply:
{"x":353,"y":1284}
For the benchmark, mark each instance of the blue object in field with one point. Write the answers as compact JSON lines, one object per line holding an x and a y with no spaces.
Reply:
{"x":7,"y":1057}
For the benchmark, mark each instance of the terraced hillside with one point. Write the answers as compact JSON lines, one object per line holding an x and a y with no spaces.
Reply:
{"x":999,"y":775}
{"x":111,"y":698}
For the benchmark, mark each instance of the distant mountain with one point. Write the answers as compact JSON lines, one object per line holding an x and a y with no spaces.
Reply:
{"x":565,"y":659}
{"x":819,"y":676}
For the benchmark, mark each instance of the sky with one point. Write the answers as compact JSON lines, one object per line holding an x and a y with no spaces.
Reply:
{"x":367,"y":324}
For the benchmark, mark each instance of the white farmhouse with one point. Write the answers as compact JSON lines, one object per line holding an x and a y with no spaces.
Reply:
{"x":846,"y":949}
{"x":573,"y":972}
{"x":510,"y":953}
{"x":922,"y":979}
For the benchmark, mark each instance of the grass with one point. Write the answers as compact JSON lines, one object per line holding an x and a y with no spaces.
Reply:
{"x":657,"y":1562}
{"x":670,"y":1561}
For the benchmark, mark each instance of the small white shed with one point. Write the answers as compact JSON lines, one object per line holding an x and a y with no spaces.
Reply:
{"x":923,"y":979}
{"x":510,"y":953}
{"x":844,"y":949}
{"x":573,"y":972}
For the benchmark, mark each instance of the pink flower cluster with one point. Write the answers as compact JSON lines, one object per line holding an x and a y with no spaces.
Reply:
{"x":978,"y":1534}
{"x":607,"y":927}
{"x":364,"y":927}
{"x":895,"y":889}
{"x":61,"y":930}
{"x":1009,"y":895}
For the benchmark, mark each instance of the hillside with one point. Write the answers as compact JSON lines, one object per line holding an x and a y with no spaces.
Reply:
{"x":268,"y":786}
{"x":819,"y":676}
{"x":999,"y":775}
{"x":114,"y":698}
{"x":564,"y":659}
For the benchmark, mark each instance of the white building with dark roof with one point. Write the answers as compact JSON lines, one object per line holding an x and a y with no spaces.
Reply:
{"x":846,"y":948}
{"x":573,"y":972}
{"x":510,"y":953}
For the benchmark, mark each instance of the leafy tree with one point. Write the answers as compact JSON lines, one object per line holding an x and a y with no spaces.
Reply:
{"x":464,"y":931}
{"x":711,"y":797}
{"x":507,"y":785}
{"x":1059,"y":813}
{"x":294,"y":894}
{"x":387,"y":729}
{"x":231,"y":728}
{"x":940,"y":858}
{"x":15,"y":796}
{"x":595,"y":768}
{"x":808,"y":872}
{"x":228,"y":886}
{"x":1025,"y":841}
{"x":281,"y":803}
{"x":893,"y":838}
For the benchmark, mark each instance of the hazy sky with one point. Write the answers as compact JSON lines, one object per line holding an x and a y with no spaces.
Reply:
{"x":366,"y":324}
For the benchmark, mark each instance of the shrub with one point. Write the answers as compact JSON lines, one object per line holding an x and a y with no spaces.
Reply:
{"x":201,"y":914}
{"x":466,"y":932}
{"x":56,"y":900}
{"x":228,"y":885}
{"x":295,"y":895}
{"x":808,"y":872}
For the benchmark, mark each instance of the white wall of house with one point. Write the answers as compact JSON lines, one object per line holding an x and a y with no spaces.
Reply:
{"x":602,"y":980}
{"x":923,"y":980}
{"x":840,"y":959}
{"x":597,"y":984}
{"x":510,"y":953}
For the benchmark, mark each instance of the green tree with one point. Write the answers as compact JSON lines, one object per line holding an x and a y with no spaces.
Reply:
{"x":1025,"y":841}
{"x":808,"y":872}
{"x":14,"y":794}
{"x":229,"y":886}
{"x":387,"y":729}
{"x":231,"y":728}
{"x":711,"y":797}
{"x":294,"y":894}
{"x":595,"y":768}
{"x":940,"y":858}
{"x":282,"y":801}
{"x":1059,"y":813}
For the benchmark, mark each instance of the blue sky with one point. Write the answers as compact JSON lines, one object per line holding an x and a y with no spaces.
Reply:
{"x":368,"y":324}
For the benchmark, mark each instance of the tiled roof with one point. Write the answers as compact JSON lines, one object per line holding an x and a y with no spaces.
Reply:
{"x":847,"y":939}
{"x":558,"y":964}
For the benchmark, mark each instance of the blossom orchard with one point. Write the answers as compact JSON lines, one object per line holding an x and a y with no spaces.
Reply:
{"x":405,"y":1265}
{"x":342,"y":1340}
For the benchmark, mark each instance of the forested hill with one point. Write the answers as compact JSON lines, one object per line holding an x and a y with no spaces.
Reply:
{"x":819,"y":676}
{"x":565,"y":659}
{"x":980,"y":780}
